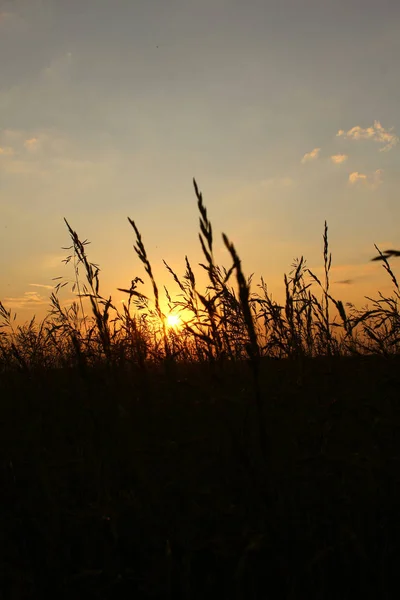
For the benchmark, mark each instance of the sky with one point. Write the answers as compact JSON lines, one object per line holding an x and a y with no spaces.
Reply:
{"x":285,"y":112}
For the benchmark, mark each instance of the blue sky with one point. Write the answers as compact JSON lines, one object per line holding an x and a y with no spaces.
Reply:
{"x":108,"y":108}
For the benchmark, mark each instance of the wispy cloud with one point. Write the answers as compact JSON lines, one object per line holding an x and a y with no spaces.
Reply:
{"x":311,"y":155}
{"x":377,"y":177}
{"x":43,"y":153}
{"x":338,"y":159}
{"x":374,"y":180}
{"x":11,"y":135}
{"x":27,"y":300}
{"x":376,"y":133}
{"x":48,"y":140}
{"x":42,"y":285}
{"x":25,"y":168}
{"x":6,"y":151}
{"x":348,"y":274}
{"x":31,"y":144}
{"x":52,"y":261}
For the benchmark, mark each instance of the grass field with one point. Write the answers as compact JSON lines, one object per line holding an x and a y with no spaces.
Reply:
{"x":253,"y":451}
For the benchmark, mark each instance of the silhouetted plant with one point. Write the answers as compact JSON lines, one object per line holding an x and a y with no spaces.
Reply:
{"x":224,"y":322}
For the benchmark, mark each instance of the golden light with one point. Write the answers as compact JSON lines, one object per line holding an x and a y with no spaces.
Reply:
{"x":173,"y":321}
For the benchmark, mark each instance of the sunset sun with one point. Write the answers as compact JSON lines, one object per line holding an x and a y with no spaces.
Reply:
{"x":173,"y":321}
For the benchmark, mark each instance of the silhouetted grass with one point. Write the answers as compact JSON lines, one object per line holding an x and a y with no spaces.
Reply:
{"x":253,"y":452}
{"x":217,"y":325}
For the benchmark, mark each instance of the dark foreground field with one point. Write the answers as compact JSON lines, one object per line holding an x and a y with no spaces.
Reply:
{"x":152,"y":485}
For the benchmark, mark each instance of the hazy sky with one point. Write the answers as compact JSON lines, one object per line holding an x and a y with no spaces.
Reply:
{"x":285,"y":111}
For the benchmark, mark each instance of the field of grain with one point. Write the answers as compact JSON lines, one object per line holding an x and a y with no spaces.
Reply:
{"x":251,"y":451}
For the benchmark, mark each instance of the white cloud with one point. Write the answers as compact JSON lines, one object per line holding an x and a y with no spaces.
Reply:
{"x":373,"y":181}
{"x":311,"y":155}
{"x":357,"y":177}
{"x":376,"y":133}
{"x":338,"y":159}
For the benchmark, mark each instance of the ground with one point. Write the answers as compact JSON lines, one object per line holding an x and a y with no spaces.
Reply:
{"x":121,"y":484}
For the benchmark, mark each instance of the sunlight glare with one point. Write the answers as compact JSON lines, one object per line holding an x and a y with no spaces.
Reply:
{"x":173,"y":321}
